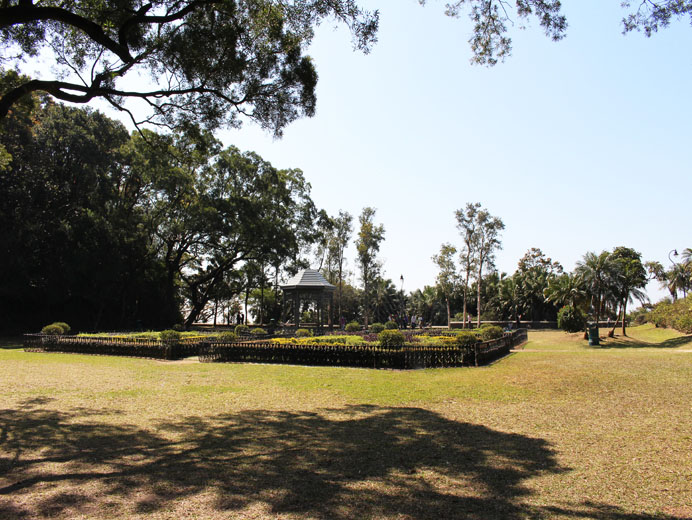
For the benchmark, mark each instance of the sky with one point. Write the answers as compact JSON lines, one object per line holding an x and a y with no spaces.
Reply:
{"x":580,"y":145}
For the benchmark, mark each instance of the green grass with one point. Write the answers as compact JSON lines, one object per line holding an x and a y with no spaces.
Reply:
{"x":558,"y":430}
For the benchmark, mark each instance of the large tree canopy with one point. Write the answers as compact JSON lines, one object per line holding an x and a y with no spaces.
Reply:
{"x":213,"y":62}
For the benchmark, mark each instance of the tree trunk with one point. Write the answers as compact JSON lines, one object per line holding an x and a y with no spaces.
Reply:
{"x":478,"y":305}
{"x":466,"y":292}
{"x":449,"y":314}
{"x":624,"y":314}
{"x":611,"y":334}
{"x":367,"y":304}
{"x":216,"y":309}
{"x":247,"y":296}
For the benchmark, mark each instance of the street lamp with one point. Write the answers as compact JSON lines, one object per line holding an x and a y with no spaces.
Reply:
{"x":401,"y":299}
{"x":674,"y":253}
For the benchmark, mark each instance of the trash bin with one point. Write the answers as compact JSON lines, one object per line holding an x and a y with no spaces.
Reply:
{"x":593,"y":334}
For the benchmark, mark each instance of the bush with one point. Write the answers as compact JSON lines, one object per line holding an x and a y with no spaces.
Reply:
{"x":242,"y":330}
{"x":64,"y":326}
{"x":391,"y":338}
{"x":376,"y":328}
{"x":639,"y":316}
{"x":172,"y":336}
{"x":54,"y":329}
{"x":178,"y":327}
{"x":391,"y":325}
{"x":677,"y":315}
{"x":466,"y":339}
{"x":490,"y":332}
{"x":352,"y":326}
{"x":227,"y":337}
{"x":258,"y":331}
{"x":303,"y":333}
{"x":571,"y":319}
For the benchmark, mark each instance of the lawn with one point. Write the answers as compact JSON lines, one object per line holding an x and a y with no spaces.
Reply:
{"x":557,"y":430}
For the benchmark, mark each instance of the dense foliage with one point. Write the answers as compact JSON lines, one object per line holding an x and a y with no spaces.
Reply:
{"x":303,"y":333}
{"x":54,"y":329}
{"x":376,"y":328}
{"x":571,"y":319}
{"x":112,"y":231}
{"x":490,"y":332}
{"x":391,"y":338}
{"x":352,"y":326}
{"x":676,"y":315}
{"x":466,"y":339}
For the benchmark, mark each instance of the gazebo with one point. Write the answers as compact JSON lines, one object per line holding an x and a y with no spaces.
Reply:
{"x":308,"y":285}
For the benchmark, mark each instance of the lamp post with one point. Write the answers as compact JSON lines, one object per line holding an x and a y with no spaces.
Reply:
{"x":401,"y":299}
{"x":674,"y":252}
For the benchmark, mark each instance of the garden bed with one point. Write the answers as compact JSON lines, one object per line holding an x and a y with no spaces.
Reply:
{"x":330,"y":350}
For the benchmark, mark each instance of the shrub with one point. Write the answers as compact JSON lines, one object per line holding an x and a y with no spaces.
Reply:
{"x":391,"y":325}
{"x":242,"y":329}
{"x":391,"y":338}
{"x":258,"y":331}
{"x":490,"y":332}
{"x":353,"y":326}
{"x":639,"y":316}
{"x":53,"y":330}
{"x":228,"y":337}
{"x":64,"y":326}
{"x":303,"y":333}
{"x":571,"y":319}
{"x":178,"y":327}
{"x":466,"y":339}
{"x":376,"y":328}
{"x":677,"y":315}
{"x":169,"y":336}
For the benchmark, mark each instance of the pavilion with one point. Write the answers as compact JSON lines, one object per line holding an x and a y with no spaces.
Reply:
{"x":308,"y":285}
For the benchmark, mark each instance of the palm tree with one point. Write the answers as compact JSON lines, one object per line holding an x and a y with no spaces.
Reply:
{"x":628,"y":278}
{"x":566,"y":290}
{"x":595,"y":271}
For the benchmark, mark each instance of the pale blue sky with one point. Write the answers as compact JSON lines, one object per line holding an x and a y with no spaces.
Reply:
{"x":581,"y":145}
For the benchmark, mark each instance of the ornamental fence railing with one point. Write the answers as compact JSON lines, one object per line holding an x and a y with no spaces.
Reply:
{"x":408,"y":356}
{"x":113,"y":346}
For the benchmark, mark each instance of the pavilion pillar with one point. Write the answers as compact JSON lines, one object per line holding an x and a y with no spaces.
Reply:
{"x":296,"y":309}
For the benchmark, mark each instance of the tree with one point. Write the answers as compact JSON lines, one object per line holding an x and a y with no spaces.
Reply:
{"x":566,"y":290}
{"x":628,"y":280}
{"x":467,"y":225}
{"x":487,"y":242}
{"x":337,"y":240}
{"x":370,"y":236}
{"x":245,"y":210}
{"x":534,"y":274}
{"x":216,"y":60}
{"x":76,"y":241}
{"x":447,"y":277}
{"x":426,"y":303}
{"x":595,"y":271}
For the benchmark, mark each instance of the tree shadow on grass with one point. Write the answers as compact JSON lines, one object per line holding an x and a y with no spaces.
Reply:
{"x":353,"y":462}
{"x":627,"y":342}
{"x":11,"y":343}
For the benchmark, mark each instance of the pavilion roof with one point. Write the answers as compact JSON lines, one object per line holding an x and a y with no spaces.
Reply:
{"x":308,"y":279}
